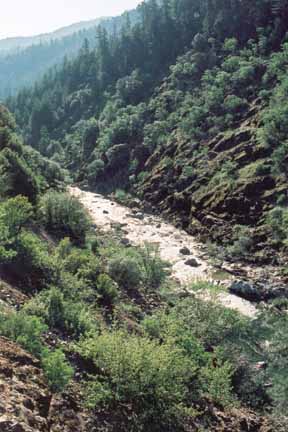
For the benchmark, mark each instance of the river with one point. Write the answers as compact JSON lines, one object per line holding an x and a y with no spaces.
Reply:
{"x":141,"y":228}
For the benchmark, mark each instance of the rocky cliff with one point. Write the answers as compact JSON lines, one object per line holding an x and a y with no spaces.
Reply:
{"x":228,"y":183}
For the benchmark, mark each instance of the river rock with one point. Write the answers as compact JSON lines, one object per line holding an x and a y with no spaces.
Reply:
{"x":138,"y":215}
{"x":192,"y":262}
{"x":125,"y":242}
{"x":245,"y":290}
{"x":185,"y":251}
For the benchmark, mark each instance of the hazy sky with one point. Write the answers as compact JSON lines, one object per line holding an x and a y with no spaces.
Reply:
{"x":31,"y":17}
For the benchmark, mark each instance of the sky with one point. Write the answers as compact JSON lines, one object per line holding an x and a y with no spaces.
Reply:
{"x":32,"y":17}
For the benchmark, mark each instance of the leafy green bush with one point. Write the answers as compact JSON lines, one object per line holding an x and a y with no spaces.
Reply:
{"x":68,"y":314}
{"x":55,"y":310}
{"x":149,"y":378}
{"x":65,"y":216}
{"x":242,"y":242}
{"x":130,"y":267}
{"x":107,"y":290}
{"x":277,"y":220}
{"x":14,"y":215}
{"x":27,"y":331}
{"x":23,"y":253}
{"x":125,"y":270}
{"x":19,"y":178}
{"x":57,"y":370}
{"x":34,"y":266}
{"x":121,"y":196}
{"x":94,"y":170}
{"x":154,"y":269}
{"x":23,"y":329}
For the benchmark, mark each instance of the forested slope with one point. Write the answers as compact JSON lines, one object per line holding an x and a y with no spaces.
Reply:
{"x":93,"y":337}
{"x":187,"y":109}
{"x":180,"y":108}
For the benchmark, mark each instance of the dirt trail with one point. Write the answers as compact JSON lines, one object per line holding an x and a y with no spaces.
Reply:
{"x":141,"y":228}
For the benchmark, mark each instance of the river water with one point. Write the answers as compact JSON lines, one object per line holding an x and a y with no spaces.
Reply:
{"x":141,"y":228}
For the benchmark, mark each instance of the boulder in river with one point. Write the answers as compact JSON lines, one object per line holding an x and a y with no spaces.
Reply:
{"x":138,"y":215}
{"x":246,"y":291}
{"x":192,"y":262}
{"x":185,"y":251}
{"x":125,"y":242}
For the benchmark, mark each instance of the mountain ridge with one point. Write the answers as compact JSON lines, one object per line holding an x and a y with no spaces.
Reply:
{"x":16,"y":43}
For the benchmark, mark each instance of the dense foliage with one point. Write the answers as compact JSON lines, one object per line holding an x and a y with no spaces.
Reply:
{"x":152,"y":109}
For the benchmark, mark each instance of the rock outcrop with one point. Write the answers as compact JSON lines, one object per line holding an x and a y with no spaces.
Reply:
{"x":220,"y":183}
{"x":25,"y":400}
{"x":26,"y":404}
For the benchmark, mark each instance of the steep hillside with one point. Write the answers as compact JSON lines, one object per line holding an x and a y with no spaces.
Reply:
{"x":205,"y":144}
{"x":185,"y":113}
{"x":94,"y":337}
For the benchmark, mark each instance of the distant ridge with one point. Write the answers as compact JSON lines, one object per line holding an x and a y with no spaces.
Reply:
{"x":26,"y":59}
{"x":12,"y":44}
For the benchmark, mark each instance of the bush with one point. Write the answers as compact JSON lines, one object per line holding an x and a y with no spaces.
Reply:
{"x":34,"y":266}
{"x":107,"y":290}
{"x":151,"y":379}
{"x":57,"y":370}
{"x":154,"y":270}
{"x":130,"y":267}
{"x":94,"y":170}
{"x":65,"y":216}
{"x":19,"y":178}
{"x":14,"y":215}
{"x":23,"y":329}
{"x":277,"y":220}
{"x":67,"y":314}
{"x":56,"y":315}
{"x":121,"y":196}
{"x":27,"y":331}
{"x":242,"y":242}
{"x":208,"y":322}
{"x":125,"y":271}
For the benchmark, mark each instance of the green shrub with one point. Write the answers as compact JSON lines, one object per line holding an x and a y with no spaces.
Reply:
{"x":34,"y":265}
{"x":23,"y":329}
{"x":94,"y":170}
{"x":151,"y":379}
{"x":208,"y":322}
{"x":107,"y":290}
{"x":277,"y":220}
{"x":19,"y":177}
{"x":61,"y":312}
{"x":121,"y":196}
{"x":154,"y":269}
{"x":242,"y":242}
{"x":14,"y":215}
{"x":55,"y":309}
{"x":133,"y":266}
{"x":125,"y":270}
{"x":57,"y":370}
{"x":65,"y":216}
{"x":27,"y":331}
